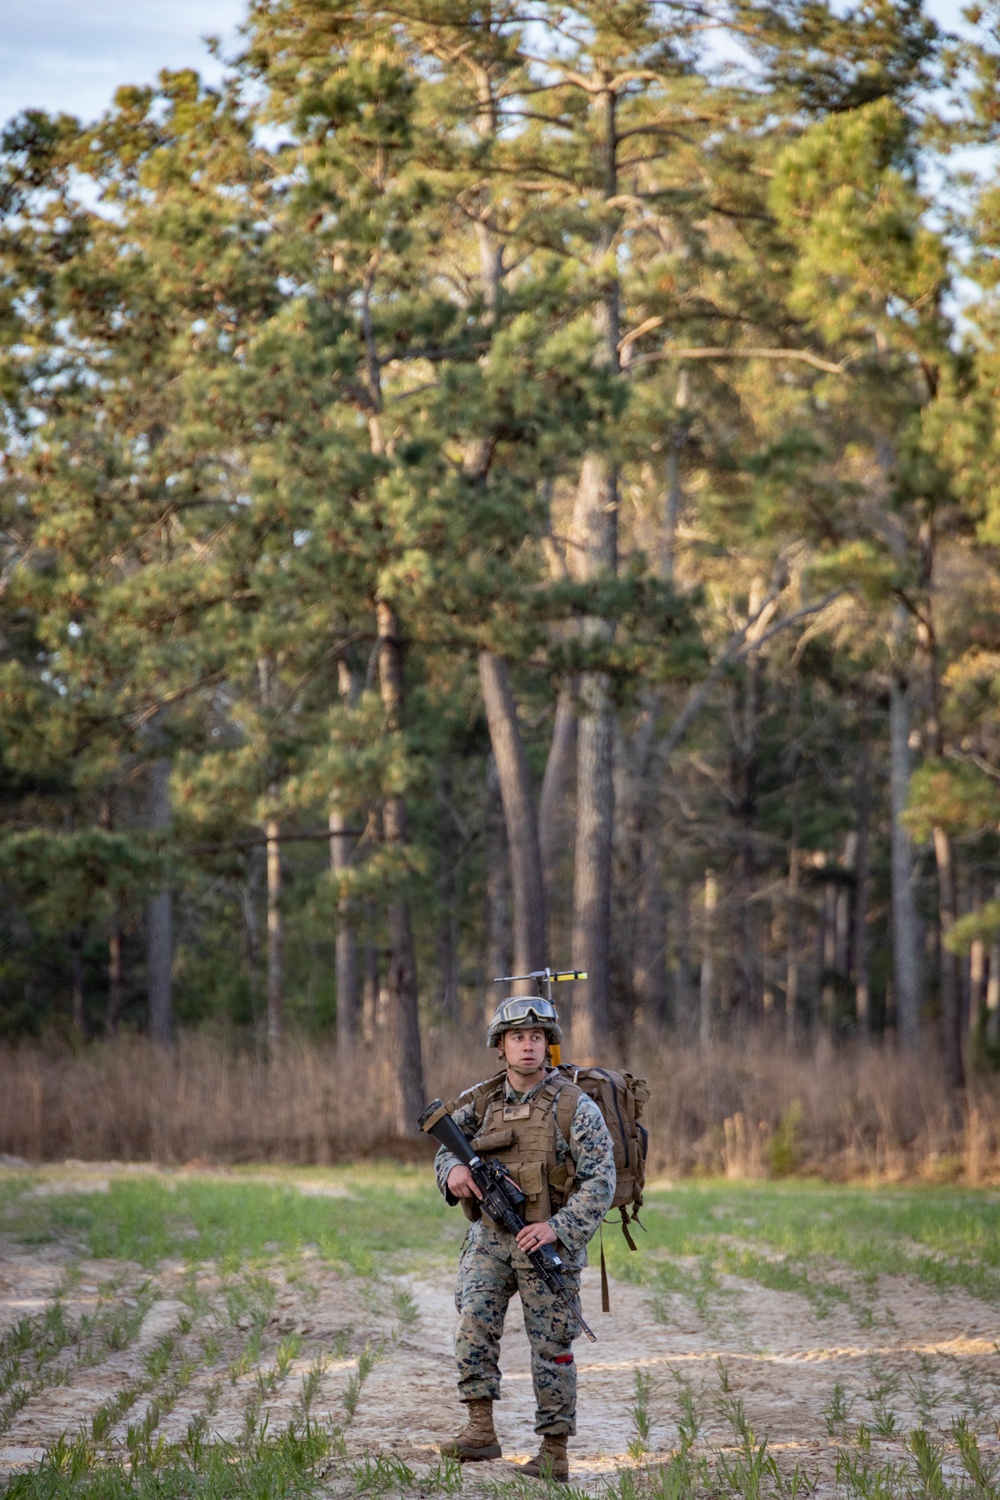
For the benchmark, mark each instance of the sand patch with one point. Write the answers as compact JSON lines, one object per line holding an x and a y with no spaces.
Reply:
{"x":780,"y":1360}
{"x":323,"y":1314}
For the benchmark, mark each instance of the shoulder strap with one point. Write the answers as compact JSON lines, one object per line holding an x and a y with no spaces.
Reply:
{"x":478,"y":1095}
{"x":490,"y":1093}
{"x":567,"y":1098}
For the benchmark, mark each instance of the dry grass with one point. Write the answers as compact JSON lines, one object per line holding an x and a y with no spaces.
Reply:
{"x":749,"y":1109}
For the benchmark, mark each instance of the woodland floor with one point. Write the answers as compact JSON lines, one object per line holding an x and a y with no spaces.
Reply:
{"x":146,"y":1359}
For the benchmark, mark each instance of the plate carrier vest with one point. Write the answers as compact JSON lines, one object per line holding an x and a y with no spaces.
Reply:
{"x":522,"y":1138}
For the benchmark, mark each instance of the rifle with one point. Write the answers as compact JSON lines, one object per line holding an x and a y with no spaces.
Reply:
{"x":502,"y":1200}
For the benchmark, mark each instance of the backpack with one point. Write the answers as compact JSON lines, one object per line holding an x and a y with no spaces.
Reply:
{"x":620,"y":1098}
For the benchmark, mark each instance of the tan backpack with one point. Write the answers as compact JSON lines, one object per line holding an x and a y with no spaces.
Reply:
{"x":620,"y":1098}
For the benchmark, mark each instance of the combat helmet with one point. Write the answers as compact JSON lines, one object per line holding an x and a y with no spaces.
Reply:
{"x":521,"y":1012}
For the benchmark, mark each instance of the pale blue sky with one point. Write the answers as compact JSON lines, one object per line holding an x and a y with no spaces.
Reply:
{"x":71,"y":55}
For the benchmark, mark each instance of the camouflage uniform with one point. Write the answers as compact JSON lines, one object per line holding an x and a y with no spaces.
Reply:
{"x":492,"y":1268}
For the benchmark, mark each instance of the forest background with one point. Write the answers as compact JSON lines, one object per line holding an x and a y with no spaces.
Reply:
{"x":497,"y":485}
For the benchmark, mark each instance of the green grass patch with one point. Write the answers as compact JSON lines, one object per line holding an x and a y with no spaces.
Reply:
{"x":12,"y":1185}
{"x":947,"y":1237}
{"x":778,"y":1234}
{"x":265,"y":1468}
{"x":233,"y":1221}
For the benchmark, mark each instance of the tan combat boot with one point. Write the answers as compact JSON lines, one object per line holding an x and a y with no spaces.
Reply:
{"x":551,"y":1462}
{"x":477,"y":1439}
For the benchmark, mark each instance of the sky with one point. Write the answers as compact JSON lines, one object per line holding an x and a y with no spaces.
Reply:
{"x":70,"y":55}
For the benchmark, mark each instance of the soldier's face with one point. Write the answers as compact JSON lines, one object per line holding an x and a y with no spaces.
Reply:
{"x":524,"y":1051}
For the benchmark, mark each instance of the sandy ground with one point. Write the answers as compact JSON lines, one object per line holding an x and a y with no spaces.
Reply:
{"x":333,"y":1315}
{"x":781,"y":1362}
{"x":934,"y":1356}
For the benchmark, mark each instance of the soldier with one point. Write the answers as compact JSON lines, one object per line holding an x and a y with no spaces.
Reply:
{"x":553,"y":1141}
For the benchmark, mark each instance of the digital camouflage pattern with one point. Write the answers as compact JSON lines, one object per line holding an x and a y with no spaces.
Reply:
{"x":492,"y":1268}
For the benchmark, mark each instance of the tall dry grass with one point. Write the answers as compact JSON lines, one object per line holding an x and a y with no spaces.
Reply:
{"x":749,"y":1109}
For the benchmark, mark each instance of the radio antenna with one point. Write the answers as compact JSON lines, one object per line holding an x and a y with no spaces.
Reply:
{"x":550,"y":977}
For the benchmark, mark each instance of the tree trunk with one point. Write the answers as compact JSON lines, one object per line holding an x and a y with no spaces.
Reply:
{"x":837,"y":937}
{"x":828,"y":955}
{"x":683,"y":996}
{"x":592,"y":874}
{"x":403,"y":1021}
{"x":744,"y":980}
{"x":842,"y":942}
{"x":498,"y":927}
{"x":348,"y":978}
{"x":272,"y":852}
{"x":637,"y":935}
{"x":594,"y":549}
{"x":113,"y":1015}
{"x":793,"y":959}
{"x":993,"y":986}
{"x":449,"y":860}
{"x":675,"y":492}
{"x":792,"y":964}
{"x":249,"y":890}
{"x":977,"y":980}
{"x":977,"y":963}
{"x":527,"y":885}
{"x":159,"y":913}
{"x":944,"y":854}
{"x":371,"y":988}
{"x":649,"y":965}
{"x":79,"y":1000}
{"x":862,"y":959}
{"x":951,"y":1007}
{"x":346,"y":953}
{"x":554,"y":831}
{"x":593,"y":555}
{"x":275,"y":983}
{"x":707,"y":986}
{"x":905,"y":938}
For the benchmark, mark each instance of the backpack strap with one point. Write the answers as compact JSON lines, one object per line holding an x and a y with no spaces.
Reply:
{"x":605,"y":1289}
{"x":567,"y":1097}
{"x":478,"y":1096}
{"x":630,"y":1242}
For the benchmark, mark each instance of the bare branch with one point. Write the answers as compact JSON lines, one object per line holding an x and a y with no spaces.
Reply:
{"x":979,"y":761}
{"x":802,"y":356}
{"x":737,"y":645}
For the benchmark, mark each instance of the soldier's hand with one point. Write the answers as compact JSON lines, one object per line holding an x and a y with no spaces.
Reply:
{"x":460,"y":1183}
{"x":534,"y":1235}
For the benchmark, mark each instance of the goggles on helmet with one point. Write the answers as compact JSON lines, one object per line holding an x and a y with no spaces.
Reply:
{"x":522,"y":1012}
{"x":521,"y":1007}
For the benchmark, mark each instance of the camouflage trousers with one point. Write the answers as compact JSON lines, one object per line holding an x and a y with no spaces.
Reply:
{"x":490,"y":1271}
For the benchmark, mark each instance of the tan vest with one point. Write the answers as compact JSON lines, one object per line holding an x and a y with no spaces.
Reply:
{"x":522,"y":1137}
